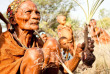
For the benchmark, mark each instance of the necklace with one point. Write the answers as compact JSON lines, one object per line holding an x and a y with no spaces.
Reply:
{"x":17,"y":39}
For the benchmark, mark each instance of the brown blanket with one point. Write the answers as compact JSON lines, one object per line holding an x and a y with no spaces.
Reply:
{"x":10,"y":54}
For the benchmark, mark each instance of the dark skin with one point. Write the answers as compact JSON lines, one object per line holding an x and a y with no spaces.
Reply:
{"x":66,"y":45}
{"x":50,"y":49}
{"x":25,"y":22}
{"x":24,"y":28}
{"x":65,"y":30}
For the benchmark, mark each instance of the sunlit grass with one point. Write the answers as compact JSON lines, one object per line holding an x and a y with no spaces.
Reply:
{"x":102,"y":62}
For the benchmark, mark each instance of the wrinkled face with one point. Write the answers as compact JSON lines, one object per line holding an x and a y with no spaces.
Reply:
{"x":44,"y":37}
{"x":62,"y":20}
{"x":92,"y":23}
{"x":27,"y":17}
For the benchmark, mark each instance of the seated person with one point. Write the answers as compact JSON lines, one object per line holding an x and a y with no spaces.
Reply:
{"x":44,"y":36}
{"x":64,"y":30}
{"x":99,"y":35}
{"x":67,"y":52}
{"x":19,"y":52}
{"x":65,"y":49}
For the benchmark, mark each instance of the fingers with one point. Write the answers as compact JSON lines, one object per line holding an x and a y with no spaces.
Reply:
{"x":83,"y":45}
{"x":89,"y":38}
{"x":90,"y":44}
{"x":79,"y":49}
{"x":91,"y":50}
{"x":79,"y":45}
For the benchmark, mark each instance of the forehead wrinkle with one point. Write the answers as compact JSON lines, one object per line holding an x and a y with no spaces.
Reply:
{"x":28,"y":6}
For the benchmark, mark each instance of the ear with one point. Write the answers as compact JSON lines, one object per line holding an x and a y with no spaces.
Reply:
{"x":12,"y":20}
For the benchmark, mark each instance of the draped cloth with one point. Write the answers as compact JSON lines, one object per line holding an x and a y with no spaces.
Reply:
{"x":11,"y":54}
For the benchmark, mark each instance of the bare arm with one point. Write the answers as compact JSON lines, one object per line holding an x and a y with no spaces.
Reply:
{"x":73,"y":63}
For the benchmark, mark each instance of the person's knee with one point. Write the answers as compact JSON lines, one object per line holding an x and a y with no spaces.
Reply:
{"x":34,"y":53}
{"x":32,"y":61}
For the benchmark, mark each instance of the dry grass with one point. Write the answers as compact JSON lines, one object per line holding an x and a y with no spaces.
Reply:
{"x":102,"y":62}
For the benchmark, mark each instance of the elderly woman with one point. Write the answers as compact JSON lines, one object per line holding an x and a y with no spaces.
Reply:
{"x":17,"y":47}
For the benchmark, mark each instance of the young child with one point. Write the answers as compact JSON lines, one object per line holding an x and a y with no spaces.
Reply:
{"x":63,"y":27}
{"x":99,"y":35}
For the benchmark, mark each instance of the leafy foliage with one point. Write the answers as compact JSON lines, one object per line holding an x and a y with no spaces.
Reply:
{"x":104,"y":23}
{"x":49,"y":10}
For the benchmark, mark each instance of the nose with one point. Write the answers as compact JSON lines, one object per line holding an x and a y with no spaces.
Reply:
{"x":35,"y":16}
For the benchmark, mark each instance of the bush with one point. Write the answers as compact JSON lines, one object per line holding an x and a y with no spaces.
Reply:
{"x":104,"y":23}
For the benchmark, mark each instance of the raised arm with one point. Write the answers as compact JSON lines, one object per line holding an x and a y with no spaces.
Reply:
{"x":73,"y":63}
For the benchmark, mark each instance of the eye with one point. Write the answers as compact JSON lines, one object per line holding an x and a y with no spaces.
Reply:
{"x":71,"y":42}
{"x":29,"y":11}
{"x":37,"y":12}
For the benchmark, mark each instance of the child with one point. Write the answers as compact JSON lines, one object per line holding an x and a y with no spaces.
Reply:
{"x":63,"y":27}
{"x":67,"y":48}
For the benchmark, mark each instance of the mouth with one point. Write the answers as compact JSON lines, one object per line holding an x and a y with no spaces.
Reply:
{"x":35,"y":22}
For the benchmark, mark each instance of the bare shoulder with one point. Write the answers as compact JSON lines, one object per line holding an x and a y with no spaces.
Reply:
{"x":51,"y":43}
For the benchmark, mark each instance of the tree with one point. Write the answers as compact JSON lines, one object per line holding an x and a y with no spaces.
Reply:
{"x":49,"y":10}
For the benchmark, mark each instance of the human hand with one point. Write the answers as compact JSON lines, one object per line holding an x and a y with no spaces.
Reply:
{"x":80,"y":47}
{"x":88,"y":57}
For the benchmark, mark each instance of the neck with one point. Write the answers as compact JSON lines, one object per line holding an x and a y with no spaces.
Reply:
{"x":24,"y":36}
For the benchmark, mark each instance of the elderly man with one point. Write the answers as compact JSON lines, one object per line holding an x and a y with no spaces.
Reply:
{"x":19,"y":52}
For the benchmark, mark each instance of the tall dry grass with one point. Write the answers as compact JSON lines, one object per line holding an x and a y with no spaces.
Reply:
{"x":102,"y":62}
